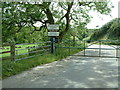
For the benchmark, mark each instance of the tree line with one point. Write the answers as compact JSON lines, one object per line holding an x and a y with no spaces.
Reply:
{"x":19,"y":18}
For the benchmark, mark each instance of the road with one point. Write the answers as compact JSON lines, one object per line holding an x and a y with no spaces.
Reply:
{"x":72,"y":72}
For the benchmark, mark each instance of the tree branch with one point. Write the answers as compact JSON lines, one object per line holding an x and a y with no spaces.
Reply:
{"x":84,"y":3}
{"x":62,"y":6}
{"x":20,"y":26}
{"x":67,"y":21}
{"x":62,"y":17}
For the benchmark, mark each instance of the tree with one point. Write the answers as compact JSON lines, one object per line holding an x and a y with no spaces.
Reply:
{"x":110,"y":30}
{"x":16,"y":15}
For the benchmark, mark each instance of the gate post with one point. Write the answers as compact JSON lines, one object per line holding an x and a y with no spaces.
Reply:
{"x":99,"y":48}
{"x":84,"y":47}
{"x":117,"y":52}
{"x":52,"y":39}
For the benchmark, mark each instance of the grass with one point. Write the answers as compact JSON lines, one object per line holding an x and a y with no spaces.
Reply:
{"x":112,"y":43}
{"x":10,"y":68}
{"x":107,"y":43}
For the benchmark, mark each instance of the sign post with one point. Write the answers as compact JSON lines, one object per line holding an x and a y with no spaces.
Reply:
{"x":52,"y":32}
{"x":52,"y":44}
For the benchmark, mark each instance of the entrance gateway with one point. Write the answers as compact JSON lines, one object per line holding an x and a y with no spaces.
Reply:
{"x":97,"y":48}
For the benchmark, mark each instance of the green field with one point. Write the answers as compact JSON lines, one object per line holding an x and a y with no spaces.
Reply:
{"x":17,"y":52}
{"x":10,"y":68}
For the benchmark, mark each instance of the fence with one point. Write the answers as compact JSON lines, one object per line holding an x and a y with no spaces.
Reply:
{"x":102,"y":47}
{"x":12,"y":50}
{"x":27,"y":50}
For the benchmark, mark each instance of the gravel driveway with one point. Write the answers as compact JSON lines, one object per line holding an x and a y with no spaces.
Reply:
{"x":72,"y":72}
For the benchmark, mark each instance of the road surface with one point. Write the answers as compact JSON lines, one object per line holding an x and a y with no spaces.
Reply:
{"x":72,"y":72}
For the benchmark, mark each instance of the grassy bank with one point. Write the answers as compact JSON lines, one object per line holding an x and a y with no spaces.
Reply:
{"x":10,"y":68}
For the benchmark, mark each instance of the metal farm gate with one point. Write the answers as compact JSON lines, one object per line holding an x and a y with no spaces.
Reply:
{"x":99,"y":48}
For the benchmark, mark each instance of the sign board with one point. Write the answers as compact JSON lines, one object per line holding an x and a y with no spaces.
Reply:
{"x":53,"y":27}
{"x":53,"y":33}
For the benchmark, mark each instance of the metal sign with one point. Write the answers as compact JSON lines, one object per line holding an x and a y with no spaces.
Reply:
{"x":53,"y":27}
{"x":53,"y":33}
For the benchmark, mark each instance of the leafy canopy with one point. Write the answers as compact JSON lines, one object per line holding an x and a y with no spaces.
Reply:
{"x":18,"y":18}
{"x":110,"y":30}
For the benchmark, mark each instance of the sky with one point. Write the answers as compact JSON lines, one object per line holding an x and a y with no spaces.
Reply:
{"x":99,"y":20}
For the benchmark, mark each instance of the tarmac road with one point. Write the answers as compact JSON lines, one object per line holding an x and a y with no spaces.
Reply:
{"x":72,"y":72}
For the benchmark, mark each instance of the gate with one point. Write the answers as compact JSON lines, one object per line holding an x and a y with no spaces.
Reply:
{"x":92,"y":48}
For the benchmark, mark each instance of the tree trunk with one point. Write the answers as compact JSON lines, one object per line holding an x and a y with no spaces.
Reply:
{"x":67,"y":22}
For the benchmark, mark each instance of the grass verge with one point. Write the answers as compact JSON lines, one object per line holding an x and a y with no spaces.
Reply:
{"x":10,"y":68}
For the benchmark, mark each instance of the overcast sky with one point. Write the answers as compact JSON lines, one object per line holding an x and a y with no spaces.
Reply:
{"x":99,"y":20}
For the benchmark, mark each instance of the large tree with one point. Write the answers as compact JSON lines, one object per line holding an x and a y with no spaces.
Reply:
{"x":16,"y":15}
{"x":109,"y":31}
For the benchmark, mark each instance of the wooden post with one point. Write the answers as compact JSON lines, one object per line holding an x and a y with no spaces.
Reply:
{"x":28,"y":51}
{"x":73,"y":40}
{"x":12,"y":49}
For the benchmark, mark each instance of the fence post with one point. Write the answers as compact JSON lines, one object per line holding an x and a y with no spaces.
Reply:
{"x":99,"y":48}
{"x":28,"y":51}
{"x":116,"y":51}
{"x":12,"y":49}
{"x":73,"y":40}
{"x":84,"y":47}
{"x":69,"y":47}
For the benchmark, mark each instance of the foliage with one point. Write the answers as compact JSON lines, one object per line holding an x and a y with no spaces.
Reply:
{"x":18,"y":26}
{"x":12,"y":68}
{"x":19,"y":18}
{"x":109,"y":31}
